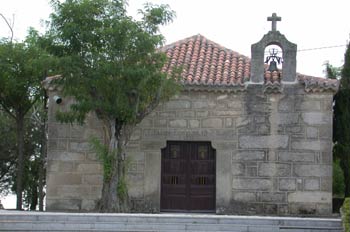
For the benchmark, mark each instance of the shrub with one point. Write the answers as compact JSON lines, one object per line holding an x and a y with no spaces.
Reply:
{"x":346,"y":214}
{"x":338,"y":180}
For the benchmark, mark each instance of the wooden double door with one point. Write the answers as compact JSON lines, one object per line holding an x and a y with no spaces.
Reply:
{"x":188,"y":177}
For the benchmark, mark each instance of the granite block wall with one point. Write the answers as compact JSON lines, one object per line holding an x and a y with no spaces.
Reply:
{"x":273,"y":152}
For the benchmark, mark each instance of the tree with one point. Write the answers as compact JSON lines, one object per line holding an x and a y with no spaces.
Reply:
{"x":331,"y":71}
{"x":23,"y":65}
{"x":338,"y":180}
{"x":341,"y":125}
{"x":39,"y":117}
{"x":111,"y":66}
{"x":7,"y":152}
{"x":33,"y":167}
{"x":35,"y":151}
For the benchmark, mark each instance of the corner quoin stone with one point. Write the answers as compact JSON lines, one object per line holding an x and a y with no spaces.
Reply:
{"x":315,"y":118}
{"x":312,"y":145}
{"x":312,"y":170}
{"x":312,"y":196}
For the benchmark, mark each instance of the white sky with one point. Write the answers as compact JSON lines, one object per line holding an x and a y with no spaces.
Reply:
{"x":231,"y":23}
{"x":238,"y":24}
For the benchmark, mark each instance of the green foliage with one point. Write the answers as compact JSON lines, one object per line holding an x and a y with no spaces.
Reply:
{"x":111,"y":65}
{"x":341,"y":125}
{"x":104,"y":156}
{"x":122,"y":189}
{"x":8,"y":157}
{"x":332,"y":72}
{"x":22,"y":68}
{"x":346,"y":214}
{"x":33,"y":153}
{"x":338,"y":179}
{"x":345,"y":73}
{"x":110,"y":61}
{"x":7,"y":152}
{"x":23,"y":65}
{"x":107,"y":160}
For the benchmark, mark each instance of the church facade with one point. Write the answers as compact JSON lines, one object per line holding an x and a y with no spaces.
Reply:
{"x":243,"y":137}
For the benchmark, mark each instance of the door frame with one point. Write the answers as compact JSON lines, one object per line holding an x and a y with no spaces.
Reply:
{"x":168,"y":144}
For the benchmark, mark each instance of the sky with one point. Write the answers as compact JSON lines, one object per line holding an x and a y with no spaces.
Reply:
{"x":233,"y":24}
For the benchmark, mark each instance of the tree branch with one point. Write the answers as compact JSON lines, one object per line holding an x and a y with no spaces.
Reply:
{"x":150,"y":107}
{"x":8,"y":24}
{"x":25,"y":110}
{"x":7,"y":110}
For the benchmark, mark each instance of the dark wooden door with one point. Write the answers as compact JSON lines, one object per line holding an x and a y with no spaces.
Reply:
{"x":188,"y":177}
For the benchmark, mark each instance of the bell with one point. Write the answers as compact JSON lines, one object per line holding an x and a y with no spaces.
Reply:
{"x":272,"y":66}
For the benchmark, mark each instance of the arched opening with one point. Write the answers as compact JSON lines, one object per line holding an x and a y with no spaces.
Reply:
{"x":273,"y":59}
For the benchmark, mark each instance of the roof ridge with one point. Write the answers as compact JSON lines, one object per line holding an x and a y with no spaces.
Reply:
{"x":223,"y":47}
{"x":173,"y":44}
{"x":209,"y":41}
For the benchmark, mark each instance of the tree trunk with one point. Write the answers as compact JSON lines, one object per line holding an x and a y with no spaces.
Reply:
{"x":41,"y":177}
{"x":41,"y":171}
{"x":20,"y":159}
{"x":114,"y":192}
{"x":43,"y":154}
{"x":34,"y":197}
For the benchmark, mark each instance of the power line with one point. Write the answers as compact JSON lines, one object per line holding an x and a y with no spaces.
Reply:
{"x":319,"y":48}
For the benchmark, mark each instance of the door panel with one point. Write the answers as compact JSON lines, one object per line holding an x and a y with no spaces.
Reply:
{"x":188,"y":177}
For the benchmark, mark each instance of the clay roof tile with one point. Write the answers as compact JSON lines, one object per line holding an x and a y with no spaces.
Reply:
{"x":207,"y":63}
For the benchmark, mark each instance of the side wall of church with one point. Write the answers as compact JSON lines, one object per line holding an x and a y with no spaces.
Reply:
{"x":273,"y":152}
{"x":74,"y":174}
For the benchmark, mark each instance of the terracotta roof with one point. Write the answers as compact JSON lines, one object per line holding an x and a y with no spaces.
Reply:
{"x":210,"y":66}
{"x":205,"y":63}
{"x":318,"y":84}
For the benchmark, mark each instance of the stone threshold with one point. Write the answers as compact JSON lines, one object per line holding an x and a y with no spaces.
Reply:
{"x":335,"y":217}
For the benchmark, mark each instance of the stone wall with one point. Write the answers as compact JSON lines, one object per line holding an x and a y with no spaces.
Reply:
{"x":273,"y":152}
{"x":74,"y":175}
{"x":283,"y":162}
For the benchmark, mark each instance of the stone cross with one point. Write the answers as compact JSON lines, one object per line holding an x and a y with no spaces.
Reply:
{"x":274,"y":18}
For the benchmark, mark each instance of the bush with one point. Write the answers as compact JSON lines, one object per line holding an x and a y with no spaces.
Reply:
{"x":338,"y":180}
{"x":346,"y":214}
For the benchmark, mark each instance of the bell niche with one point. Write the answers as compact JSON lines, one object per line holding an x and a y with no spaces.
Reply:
{"x":273,"y":57}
